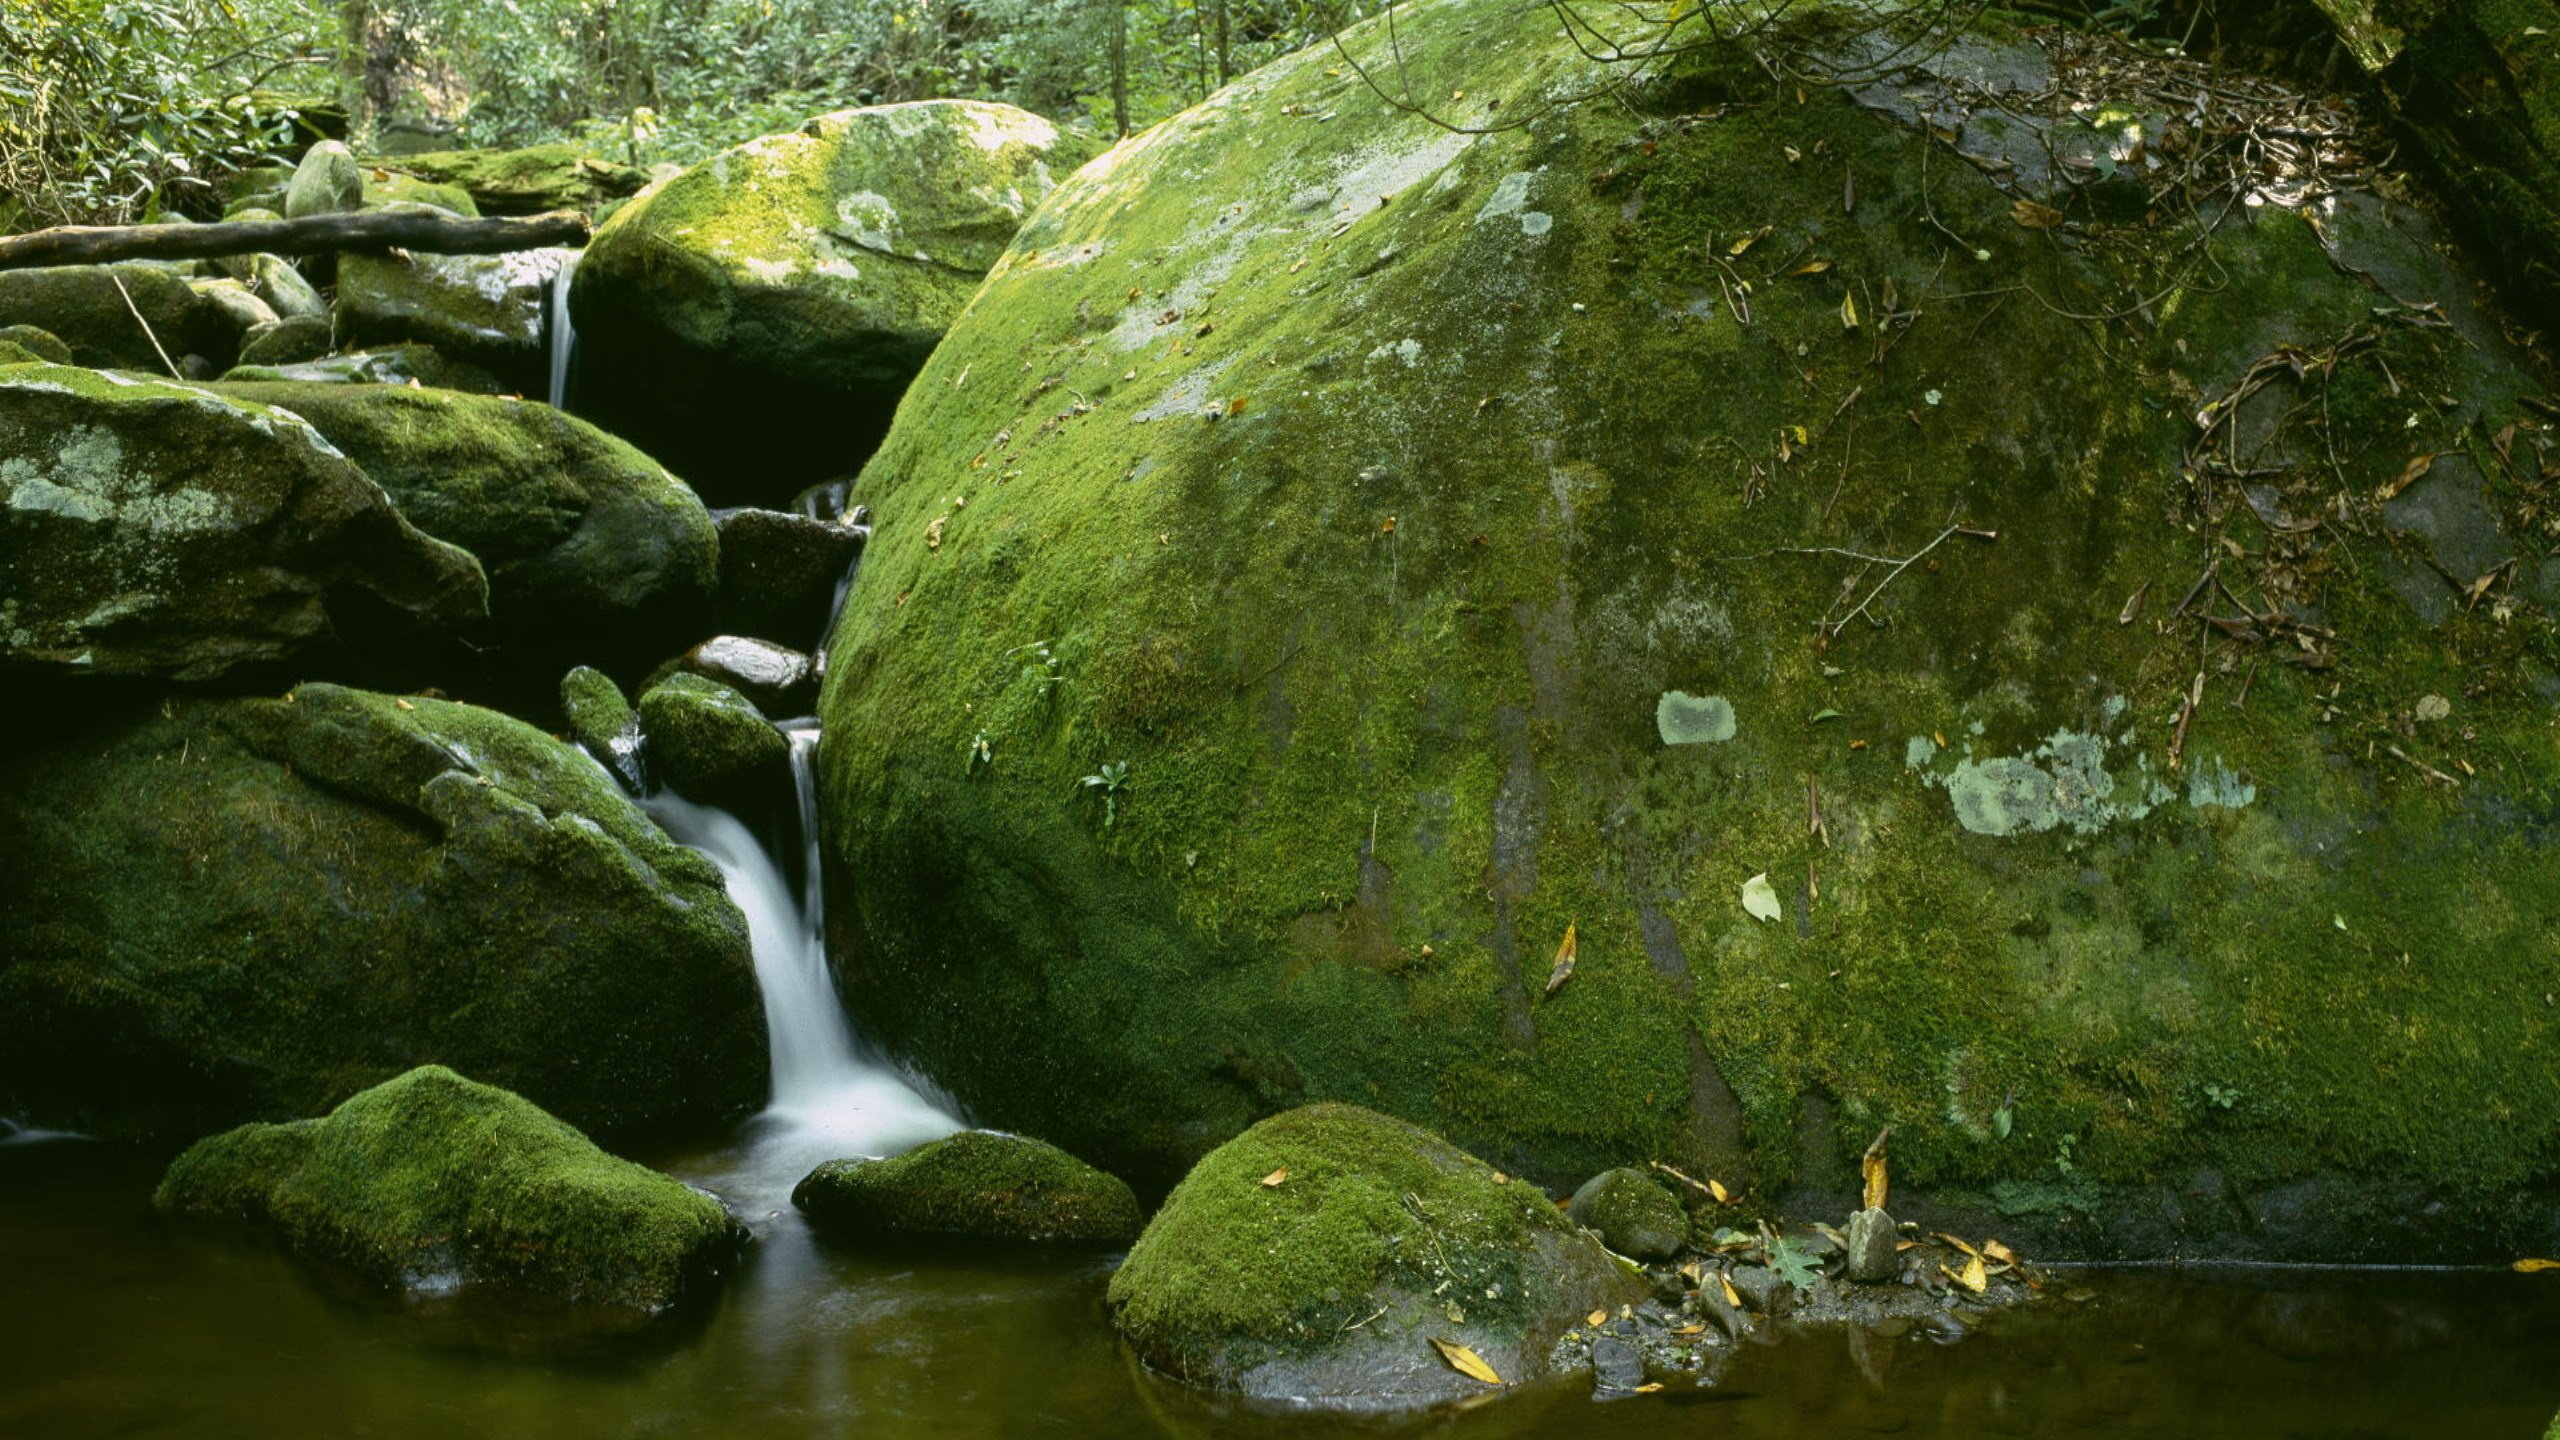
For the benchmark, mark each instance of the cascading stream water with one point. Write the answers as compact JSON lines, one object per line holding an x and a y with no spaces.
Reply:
{"x":830,"y":1100}
{"x":564,"y":332}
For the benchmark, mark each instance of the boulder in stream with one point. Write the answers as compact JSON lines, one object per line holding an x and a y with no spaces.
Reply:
{"x":154,"y":528}
{"x":429,"y":1182}
{"x":327,"y":182}
{"x":779,"y":572}
{"x":228,"y":909}
{"x":1632,"y":1213}
{"x":593,"y":551}
{"x":487,"y":310}
{"x":976,"y":1185}
{"x":755,"y":319}
{"x":712,"y":743}
{"x":1318,"y":1256}
{"x":1377,"y":488}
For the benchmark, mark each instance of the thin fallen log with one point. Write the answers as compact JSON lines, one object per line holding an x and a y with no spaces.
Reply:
{"x":315,"y":234}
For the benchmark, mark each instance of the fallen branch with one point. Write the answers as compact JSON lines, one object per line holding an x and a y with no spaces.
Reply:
{"x":364,"y":230}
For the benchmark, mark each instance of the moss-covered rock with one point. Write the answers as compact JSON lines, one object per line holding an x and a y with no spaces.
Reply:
{"x":602,"y":721}
{"x":390,"y":187}
{"x":152,"y":528}
{"x":755,"y":318}
{"x":1497,"y":464}
{"x":977,"y":1185}
{"x":1632,"y":1214}
{"x":526,"y":181}
{"x":487,"y":310}
{"x":273,"y":279}
{"x":1262,"y":1266}
{"x":710,"y":742}
{"x":286,"y":342}
{"x":420,"y":365}
{"x":38,"y":343}
{"x":327,"y":182}
{"x":221,"y":910}
{"x":84,"y":306}
{"x":429,"y":1180}
{"x":593,"y":550}
{"x":2476,"y":83}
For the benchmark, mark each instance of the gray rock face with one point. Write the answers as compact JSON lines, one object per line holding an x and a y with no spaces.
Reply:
{"x":778,"y":679}
{"x":273,"y":279}
{"x":1872,"y":1238}
{"x":592,"y":549}
{"x":779,"y":572}
{"x":488,"y":310}
{"x":327,"y":182}
{"x":224,"y":910}
{"x":392,"y":365}
{"x":152,"y":528}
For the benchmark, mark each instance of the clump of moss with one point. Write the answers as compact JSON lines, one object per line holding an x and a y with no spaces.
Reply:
{"x":1632,"y":1213}
{"x":978,"y":1184}
{"x":36,"y":343}
{"x":1282,"y":1238}
{"x":430,"y":1179}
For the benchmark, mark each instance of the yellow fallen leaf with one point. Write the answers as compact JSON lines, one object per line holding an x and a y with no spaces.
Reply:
{"x":1871,"y":1170}
{"x":1690,"y":1330}
{"x":1999,"y":1252}
{"x":1747,"y":241}
{"x":1811,"y":267}
{"x":1848,"y":311}
{"x":1956,"y":1241}
{"x":1975,"y":1277}
{"x":1274,"y":1180}
{"x":1565,"y":954}
{"x":2536,"y":1267}
{"x":1732,"y":1296}
{"x":1694,"y":1273}
{"x":1716,"y":1188}
{"x":1465,"y":1361}
{"x":1648,"y":1387}
{"x":1597,"y":1318}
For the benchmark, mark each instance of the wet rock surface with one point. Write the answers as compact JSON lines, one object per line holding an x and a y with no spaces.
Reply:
{"x":778,"y":679}
{"x":779,"y":572}
{"x":711,"y":742}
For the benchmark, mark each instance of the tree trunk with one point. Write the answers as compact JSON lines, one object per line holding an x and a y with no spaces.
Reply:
{"x":366,"y":230}
{"x":1120,"y":66}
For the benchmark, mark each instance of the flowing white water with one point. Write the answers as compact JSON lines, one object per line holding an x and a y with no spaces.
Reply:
{"x":564,"y":334}
{"x":830,"y":1100}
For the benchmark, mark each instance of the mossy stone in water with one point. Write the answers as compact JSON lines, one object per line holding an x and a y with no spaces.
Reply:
{"x":1262,"y":1266}
{"x":219,"y":910}
{"x":709,"y":741}
{"x":1373,"y":775}
{"x":37,"y":343}
{"x":430,"y":1179}
{"x":754,"y":319}
{"x":593,"y":550}
{"x":978,"y":1184}
{"x":1632,"y":1213}
{"x":602,"y":721}
{"x":155,"y":528}
{"x":390,"y":365}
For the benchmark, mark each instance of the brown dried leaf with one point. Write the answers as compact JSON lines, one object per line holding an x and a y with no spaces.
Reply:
{"x":2034,"y":216}
{"x":2411,"y":473}
{"x":1465,"y":1361}
{"x":1999,"y":1252}
{"x":1565,"y":955}
{"x":1732,"y":1296}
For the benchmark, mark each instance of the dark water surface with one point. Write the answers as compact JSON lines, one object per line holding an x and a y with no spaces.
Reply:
{"x":114,"y":1325}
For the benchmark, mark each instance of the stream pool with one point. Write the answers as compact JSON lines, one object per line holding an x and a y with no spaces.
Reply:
{"x":116,"y":1325}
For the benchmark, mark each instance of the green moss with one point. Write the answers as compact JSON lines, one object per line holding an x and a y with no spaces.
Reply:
{"x":522,"y":182}
{"x":1632,"y":1213}
{"x":599,"y":716}
{"x":390,"y":187}
{"x":708,"y":740}
{"x":249,"y":909}
{"x":327,"y":182}
{"x":429,"y":1178}
{"x":593,"y":550}
{"x":978,"y":1184}
{"x":1375,"y":772}
{"x":1233,"y":1269}
{"x":35,"y":343}
{"x":82,"y":306}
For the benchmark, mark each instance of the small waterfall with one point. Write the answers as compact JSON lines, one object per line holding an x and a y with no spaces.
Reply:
{"x":830,"y":1099}
{"x":563,"y":333}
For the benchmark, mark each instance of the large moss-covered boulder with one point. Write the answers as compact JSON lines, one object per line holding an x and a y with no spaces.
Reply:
{"x":412,"y":364}
{"x":486,"y":310}
{"x":327,"y":182}
{"x":84,"y":306}
{"x":1431,"y":549}
{"x":1316,"y":1256}
{"x":593,"y":550}
{"x":151,"y":528}
{"x":976,"y":1185}
{"x":754,"y":319}
{"x":221,"y":910}
{"x":2476,"y":83}
{"x":557,"y":176}
{"x":430,"y":1181}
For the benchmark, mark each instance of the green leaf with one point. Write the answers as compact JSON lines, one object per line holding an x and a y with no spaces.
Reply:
{"x":1794,"y":1263}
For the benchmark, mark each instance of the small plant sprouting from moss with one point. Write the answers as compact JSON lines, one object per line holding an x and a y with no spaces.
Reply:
{"x":2222,"y":1097}
{"x":1041,"y":668}
{"x":1111,"y":780}
{"x":980,"y":753}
